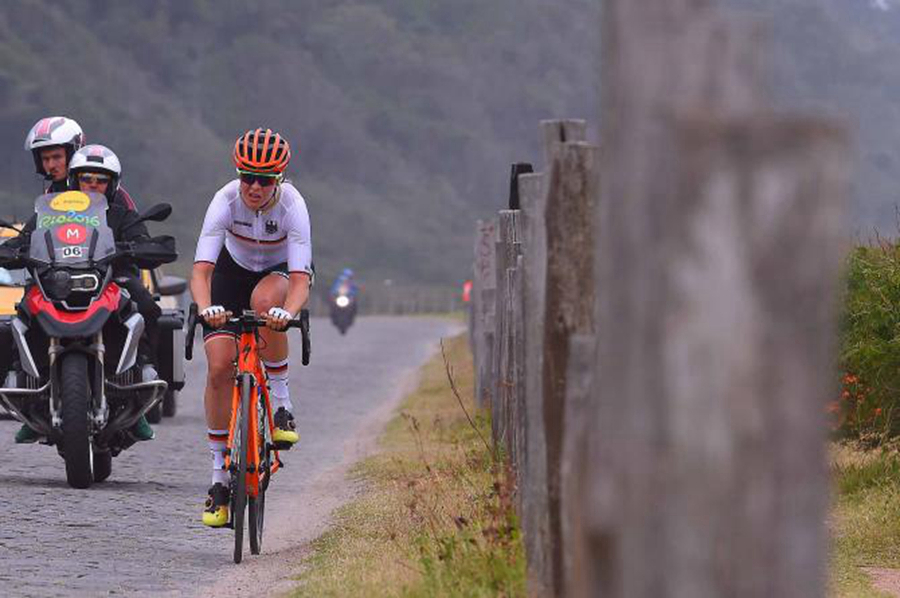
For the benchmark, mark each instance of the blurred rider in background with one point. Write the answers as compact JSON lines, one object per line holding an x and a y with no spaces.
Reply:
{"x":345,"y":285}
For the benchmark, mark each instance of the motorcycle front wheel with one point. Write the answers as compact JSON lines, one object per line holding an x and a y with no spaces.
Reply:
{"x":76,"y":427}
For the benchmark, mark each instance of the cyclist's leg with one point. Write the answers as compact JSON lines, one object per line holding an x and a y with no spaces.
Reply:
{"x":231,"y":288}
{"x":220,"y":355}
{"x":270,"y":292}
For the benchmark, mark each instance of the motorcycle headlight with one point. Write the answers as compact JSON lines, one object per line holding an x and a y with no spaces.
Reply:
{"x":57,"y":284}
{"x":342,"y":301}
{"x":88,"y":282}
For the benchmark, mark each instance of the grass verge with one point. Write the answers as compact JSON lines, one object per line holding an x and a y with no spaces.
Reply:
{"x":865,"y":518}
{"x":436,"y":516}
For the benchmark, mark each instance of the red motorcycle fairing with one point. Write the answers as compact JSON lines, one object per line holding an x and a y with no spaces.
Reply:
{"x":67,"y":324}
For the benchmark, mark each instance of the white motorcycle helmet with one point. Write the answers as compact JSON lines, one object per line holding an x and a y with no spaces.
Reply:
{"x":53,"y":131}
{"x":96,"y":158}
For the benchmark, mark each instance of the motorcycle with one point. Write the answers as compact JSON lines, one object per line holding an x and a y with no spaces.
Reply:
{"x":170,"y":352}
{"x":343,"y":311}
{"x":75,"y":379}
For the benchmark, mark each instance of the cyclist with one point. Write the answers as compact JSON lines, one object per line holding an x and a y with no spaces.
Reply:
{"x":95,"y":168}
{"x":254,"y":252}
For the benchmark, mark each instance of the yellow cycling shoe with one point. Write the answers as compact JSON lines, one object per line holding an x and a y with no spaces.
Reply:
{"x":216,"y":512}
{"x":284,"y":435}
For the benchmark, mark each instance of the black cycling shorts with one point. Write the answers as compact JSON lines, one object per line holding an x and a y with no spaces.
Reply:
{"x":232,"y":287}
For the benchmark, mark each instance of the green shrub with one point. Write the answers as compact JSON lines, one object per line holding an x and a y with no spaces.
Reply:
{"x":870,"y":345}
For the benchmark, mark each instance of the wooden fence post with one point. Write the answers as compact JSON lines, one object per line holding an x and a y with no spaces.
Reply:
{"x":571,"y":199}
{"x":506,"y":246}
{"x":484,"y":312}
{"x":717,"y":270}
{"x":579,"y":410}
{"x":517,"y":416}
{"x":533,"y":473}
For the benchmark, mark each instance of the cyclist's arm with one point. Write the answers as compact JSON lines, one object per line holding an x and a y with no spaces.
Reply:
{"x":209,"y":245}
{"x":298,"y":292}
{"x":201,"y":284}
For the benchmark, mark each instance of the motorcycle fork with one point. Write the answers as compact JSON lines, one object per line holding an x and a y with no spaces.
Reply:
{"x":55,"y":401}
{"x":101,"y":410}
{"x":98,"y":412}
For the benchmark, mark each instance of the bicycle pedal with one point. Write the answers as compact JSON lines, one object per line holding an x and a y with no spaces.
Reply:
{"x":282,"y":445}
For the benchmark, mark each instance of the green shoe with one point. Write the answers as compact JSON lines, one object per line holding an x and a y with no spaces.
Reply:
{"x":26,"y":435}
{"x":141,"y":430}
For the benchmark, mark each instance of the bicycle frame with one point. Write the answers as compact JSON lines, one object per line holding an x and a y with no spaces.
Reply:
{"x":248,"y":362}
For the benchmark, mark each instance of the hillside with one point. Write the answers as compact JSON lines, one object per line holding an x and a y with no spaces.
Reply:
{"x":406,"y":113}
{"x":840,"y":57}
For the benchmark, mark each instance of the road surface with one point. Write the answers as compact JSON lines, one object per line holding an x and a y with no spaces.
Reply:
{"x":139,"y":533}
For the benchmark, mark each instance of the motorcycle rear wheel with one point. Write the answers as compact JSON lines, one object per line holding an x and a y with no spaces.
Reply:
{"x":169,"y":403}
{"x":102,"y":465}
{"x":154,"y":414}
{"x":76,"y":427}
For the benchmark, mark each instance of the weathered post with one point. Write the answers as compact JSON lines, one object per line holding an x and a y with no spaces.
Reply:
{"x":505,"y":247}
{"x":571,"y":199}
{"x":533,"y":473}
{"x":578,"y":411}
{"x":717,"y":270}
{"x":483,"y":295}
{"x":517,"y":408}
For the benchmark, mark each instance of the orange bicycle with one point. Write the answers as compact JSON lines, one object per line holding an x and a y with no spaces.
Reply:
{"x":251,"y":457}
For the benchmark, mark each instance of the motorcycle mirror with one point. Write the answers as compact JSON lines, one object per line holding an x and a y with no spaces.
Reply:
{"x":9,"y":225}
{"x":155,"y":213}
{"x":158,"y":212}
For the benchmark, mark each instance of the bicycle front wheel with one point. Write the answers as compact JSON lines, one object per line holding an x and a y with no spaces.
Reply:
{"x":239,"y":467}
{"x":257,"y":505}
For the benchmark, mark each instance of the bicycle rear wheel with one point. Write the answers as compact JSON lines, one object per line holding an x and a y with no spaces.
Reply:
{"x":257,"y":505}
{"x":239,"y":467}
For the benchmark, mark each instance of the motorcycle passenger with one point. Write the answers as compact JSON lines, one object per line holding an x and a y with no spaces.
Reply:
{"x":95,"y":168}
{"x":52,"y":142}
{"x":254,"y":252}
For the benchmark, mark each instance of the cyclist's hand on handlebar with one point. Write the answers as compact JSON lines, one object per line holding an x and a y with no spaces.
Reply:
{"x":277,"y":318}
{"x":215,"y":315}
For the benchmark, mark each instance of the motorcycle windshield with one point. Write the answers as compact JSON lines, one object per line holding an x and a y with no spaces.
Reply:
{"x":71,"y":229}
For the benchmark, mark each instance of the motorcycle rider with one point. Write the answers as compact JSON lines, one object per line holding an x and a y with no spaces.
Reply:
{"x":345,"y":285}
{"x":95,"y":168}
{"x":52,"y":142}
{"x":254,"y":252}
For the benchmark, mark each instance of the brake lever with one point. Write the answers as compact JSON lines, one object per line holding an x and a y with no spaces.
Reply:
{"x":189,"y":337}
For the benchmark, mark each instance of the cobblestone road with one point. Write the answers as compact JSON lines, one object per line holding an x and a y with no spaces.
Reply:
{"x":139,"y":532}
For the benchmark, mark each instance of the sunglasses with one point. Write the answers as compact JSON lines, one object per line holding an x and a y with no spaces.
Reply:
{"x":264,"y":180}
{"x":93,"y":179}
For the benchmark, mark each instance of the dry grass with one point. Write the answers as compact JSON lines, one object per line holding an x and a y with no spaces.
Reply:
{"x":436,"y":517}
{"x":865,"y":517}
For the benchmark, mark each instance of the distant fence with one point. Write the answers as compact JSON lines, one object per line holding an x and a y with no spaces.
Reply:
{"x":653,"y":328}
{"x":394,"y":299}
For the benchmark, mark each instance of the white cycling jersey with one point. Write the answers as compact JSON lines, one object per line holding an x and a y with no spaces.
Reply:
{"x":257,"y":240}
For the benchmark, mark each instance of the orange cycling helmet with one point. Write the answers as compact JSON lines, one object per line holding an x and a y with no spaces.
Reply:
{"x":263,"y":151}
